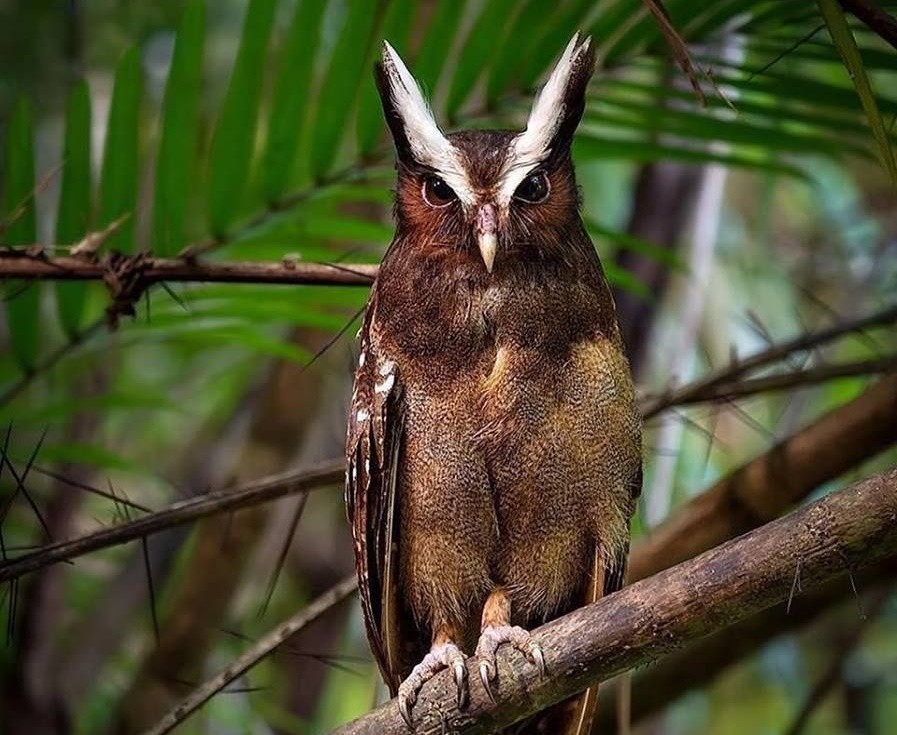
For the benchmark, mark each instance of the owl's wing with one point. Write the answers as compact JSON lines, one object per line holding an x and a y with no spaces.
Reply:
{"x":374,"y":441}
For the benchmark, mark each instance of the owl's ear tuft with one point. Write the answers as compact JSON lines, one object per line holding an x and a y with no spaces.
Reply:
{"x":559,"y":107}
{"x":417,"y":137}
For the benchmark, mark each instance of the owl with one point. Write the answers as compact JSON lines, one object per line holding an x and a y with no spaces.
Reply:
{"x":494,"y":447}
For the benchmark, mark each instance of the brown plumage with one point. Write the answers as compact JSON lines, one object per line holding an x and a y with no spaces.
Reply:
{"x":493,"y":450}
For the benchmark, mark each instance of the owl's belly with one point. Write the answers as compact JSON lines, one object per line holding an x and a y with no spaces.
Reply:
{"x":519,"y":484}
{"x":561,"y":441}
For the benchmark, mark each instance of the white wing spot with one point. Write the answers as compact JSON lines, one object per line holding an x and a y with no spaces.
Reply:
{"x":386,"y":385}
{"x":361,"y":359}
{"x":362,"y":415}
{"x":387,"y":367}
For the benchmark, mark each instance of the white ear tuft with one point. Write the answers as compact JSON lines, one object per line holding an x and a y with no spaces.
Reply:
{"x":428,"y":144}
{"x":548,"y":114}
{"x":548,"y":110}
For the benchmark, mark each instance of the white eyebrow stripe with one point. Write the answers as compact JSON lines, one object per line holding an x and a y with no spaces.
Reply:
{"x":428,"y":143}
{"x":512,"y":175}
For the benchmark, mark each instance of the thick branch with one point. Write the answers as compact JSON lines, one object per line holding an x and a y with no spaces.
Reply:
{"x":772,"y":483}
{"x":849,"y":530}
{"x":657,"y":686}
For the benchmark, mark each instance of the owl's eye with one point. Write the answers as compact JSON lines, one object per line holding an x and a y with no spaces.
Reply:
{"x":533,"y":189}
{"x":436,"y":192}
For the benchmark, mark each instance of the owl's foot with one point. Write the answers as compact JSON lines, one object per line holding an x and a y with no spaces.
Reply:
{"x":492,"y":637}
{"x":497,"y":629}
{"x":441,"y":656}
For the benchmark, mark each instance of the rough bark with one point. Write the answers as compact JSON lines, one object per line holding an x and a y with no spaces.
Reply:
{"x":656,"y":687}
{"x":145,"y":271}
{"x":773,"y":482}
{"x":847,"y":530}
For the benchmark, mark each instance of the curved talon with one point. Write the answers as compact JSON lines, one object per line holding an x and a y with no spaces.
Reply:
{"x":537,"y":657}
{"x":461,"y":682}
{"x":405,"y":705}
{"x":442,"y":656}
{"x":486,"y":674}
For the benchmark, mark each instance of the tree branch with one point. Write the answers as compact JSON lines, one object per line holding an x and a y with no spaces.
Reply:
{"x":148,"y":270}
{"x":703,"y":388}
{"x":253,"y":655}
{"x":823,"y":450}
{"x":177,"y":514}
{"x":767,"y":486}
{"x":878,"y":20}
{"x":862,"y":425}
{"x":850,"y":529}
{"x":785,"y":381}
{"x":655,"y":687}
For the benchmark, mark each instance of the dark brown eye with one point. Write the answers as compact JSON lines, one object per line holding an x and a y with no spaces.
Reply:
{"x":533,"y":189}
{"x":436,"y":192}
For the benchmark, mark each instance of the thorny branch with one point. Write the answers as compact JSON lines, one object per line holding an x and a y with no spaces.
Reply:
{"x":177,"y":514}
{"x":706,"y":387}
{"x":148,"y":270}
{"x":857,"y":429}
{"x":854,"y":527}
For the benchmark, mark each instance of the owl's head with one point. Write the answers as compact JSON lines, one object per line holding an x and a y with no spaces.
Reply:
{"x":488,"y":192}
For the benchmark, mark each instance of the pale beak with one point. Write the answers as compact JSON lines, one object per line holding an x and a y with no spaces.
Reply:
{"x":487,"y":241}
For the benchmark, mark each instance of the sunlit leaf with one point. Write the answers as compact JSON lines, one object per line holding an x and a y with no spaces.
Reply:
{"x":118,"y":181}
{"x":180,"y":128}
{"x":847,"y":48}
{"x":514,"y":45}
{"x":592,"y":146}
{"x":369,"y":119}
{"x":554,"y":35}
{"x":234,"y":138}
{"x":344,"y":73}
{"x":292,"y":103}
{"x":437,"y":43}
{"x":22,"y":299}
{"x":74,"y":215}
{"x":477,"y":52}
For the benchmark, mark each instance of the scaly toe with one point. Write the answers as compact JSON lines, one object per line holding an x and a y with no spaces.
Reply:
{"x":492,"y":637}
{"x":445,"y":656}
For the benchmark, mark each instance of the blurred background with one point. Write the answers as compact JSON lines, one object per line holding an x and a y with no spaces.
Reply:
{"x":250,"y":130}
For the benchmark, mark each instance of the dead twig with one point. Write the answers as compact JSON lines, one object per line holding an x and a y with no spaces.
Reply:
{"x":266,"y":645}
{"x":740,"y":367}
{"x":252,"y":493}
